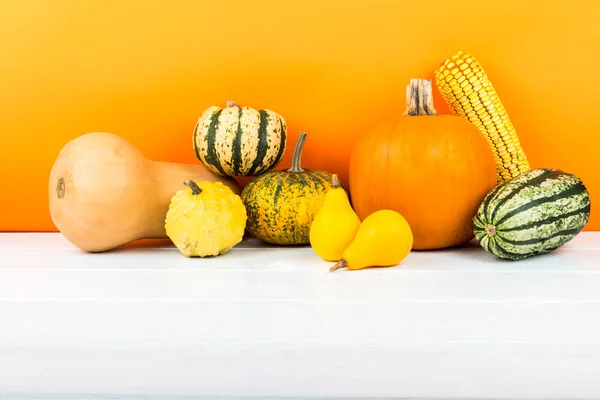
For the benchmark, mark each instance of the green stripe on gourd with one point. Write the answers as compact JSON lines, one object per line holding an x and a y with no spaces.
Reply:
{"x":237,"y":144}
{"x":211,"y":157}
{"x":263,"y":145}
{"x":239,"y":141}
{"x":534,"y":213}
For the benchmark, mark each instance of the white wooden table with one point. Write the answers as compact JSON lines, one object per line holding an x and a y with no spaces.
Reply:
{"x":148,"y":323}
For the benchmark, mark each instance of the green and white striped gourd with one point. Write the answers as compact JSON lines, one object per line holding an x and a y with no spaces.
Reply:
{"x":239,"y":141}
{"x":532,"y":214}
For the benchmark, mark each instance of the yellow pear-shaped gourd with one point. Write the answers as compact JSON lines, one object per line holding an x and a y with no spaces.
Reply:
{"x":334,"y":225}
{"x":383,"y":239}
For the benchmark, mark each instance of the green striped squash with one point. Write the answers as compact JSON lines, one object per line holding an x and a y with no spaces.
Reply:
{"x":239,"y":141}
{"x":532,"y":214}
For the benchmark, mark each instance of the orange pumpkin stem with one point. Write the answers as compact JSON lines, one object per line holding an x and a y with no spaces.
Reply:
{"x":192,"y":185}
{"x":419,"y":98}
{"x":296,"y":157}
{"x":339,"y":265}
{"x":230,"y":103}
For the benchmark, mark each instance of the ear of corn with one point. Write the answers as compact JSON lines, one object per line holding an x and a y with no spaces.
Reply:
{"x":469,"y":93}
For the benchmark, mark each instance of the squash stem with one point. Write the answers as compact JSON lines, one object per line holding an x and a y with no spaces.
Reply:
{"x":230,"y":103}
{"x":192,"y":185}
{"x":335,"y":181}
{"x":490,"y":230}
{"x":419,"y":98}
{"x":339,"y":265}
{"x":60,"y":188}
{"x":295,"y":168}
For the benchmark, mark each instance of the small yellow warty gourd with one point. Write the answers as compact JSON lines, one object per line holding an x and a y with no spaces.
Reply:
{"x":205,"y":219}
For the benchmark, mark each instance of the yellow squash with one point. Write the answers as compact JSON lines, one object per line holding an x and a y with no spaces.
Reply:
{"x":335,"y":225}
{"x":383,"y":239}
{"x":205,"y":219}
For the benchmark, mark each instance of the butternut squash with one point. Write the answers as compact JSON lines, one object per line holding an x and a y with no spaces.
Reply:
{"x":104,"y":193}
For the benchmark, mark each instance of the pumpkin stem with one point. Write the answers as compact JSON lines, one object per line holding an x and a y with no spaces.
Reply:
{"x":230,"y":103}
{"x":335,"y":181}
{"x":339,"y":265}
{"x":295,"y":168}
{"x":192,"y":185}
{"x":419,"y":98}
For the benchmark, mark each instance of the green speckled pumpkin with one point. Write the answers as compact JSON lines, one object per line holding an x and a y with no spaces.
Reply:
{"x":281,"y":205}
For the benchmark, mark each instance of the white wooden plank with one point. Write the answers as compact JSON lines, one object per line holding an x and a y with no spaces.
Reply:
{"x":311,"y":284}
{"x":95,"y":322}
{"x":307,"y":371}
{"x":252,"y":255}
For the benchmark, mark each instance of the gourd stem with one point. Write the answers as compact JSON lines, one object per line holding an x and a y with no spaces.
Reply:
{"x":192,"y":185}
{"x":295,"y":168}
{"x":339,"y":265}
{"x":419,"y":98}
{"x":490,"y":230}
{"x":60,"y":188}
{"x":335,"y":181}
{"x":230,"y":103}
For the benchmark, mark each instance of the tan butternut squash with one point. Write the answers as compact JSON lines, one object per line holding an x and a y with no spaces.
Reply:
{"x":104,"y":193}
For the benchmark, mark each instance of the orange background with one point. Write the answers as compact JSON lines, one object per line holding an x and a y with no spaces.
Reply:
{"x":146,"y":69}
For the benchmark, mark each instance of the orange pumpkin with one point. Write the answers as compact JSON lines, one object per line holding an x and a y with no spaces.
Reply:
{"x":433,"y":169}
